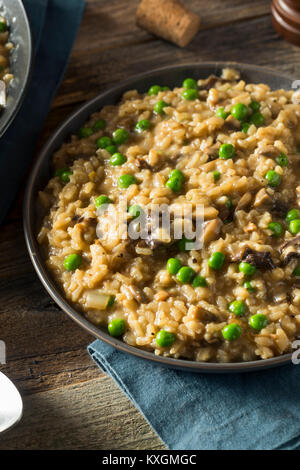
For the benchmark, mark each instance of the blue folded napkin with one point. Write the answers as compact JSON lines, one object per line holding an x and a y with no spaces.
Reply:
{"x":256,"y":411}
{"x":54,"y":25}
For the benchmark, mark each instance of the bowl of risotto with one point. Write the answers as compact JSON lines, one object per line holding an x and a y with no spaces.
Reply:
{"x":15,"y":59}
{"x":164,"y":217}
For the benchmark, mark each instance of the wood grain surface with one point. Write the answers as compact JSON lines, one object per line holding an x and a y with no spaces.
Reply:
{"x":68,"y":402}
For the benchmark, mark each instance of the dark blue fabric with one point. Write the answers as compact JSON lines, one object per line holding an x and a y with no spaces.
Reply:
{"x":259,"y":410}
{"x":54,"y":25}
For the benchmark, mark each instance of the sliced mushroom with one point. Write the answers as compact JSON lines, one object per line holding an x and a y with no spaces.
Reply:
{"x":280,"y":207}
{"x":232,"y":124}
{"x":273,"y":203}
{"x":262,"y":198}
{"x":244,"y":201}
{"x":143,"y":164}
{"x":138,"y":294}
{"x":269,"y":151}
{"x":210,"y":82}
{"x":212,"y":229}
{"x":213,"y":151}
{"x":259,"y":259}
{"x":290,"y":250}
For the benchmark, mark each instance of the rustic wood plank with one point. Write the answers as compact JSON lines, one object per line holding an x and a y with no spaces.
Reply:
{"x":40,"y":373}
{"x":91,"y":415}
{"x":112,"y":24}
{"x":87,"y":75}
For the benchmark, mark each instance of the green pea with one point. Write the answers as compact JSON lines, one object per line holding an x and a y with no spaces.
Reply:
{"x":294,"y":226}
{"x":185,"y":275}
{"x":217,"y":175}
{"x":60,"y":171}
{"x":292,"y":214}
{"x":229,"y":203}
{"x":85,"y":132}
{"x":116,"y":327}
{"x":111,"y":301}
{"x":182,"y":244}
{"x":296,"y":271}
{"x":247,"y":268}
{"x":100,"y":200}
{"x":190,"y":94}
{"x":190,"y":83}
{"x":3,"y":27}
{"x":159,"y":107}
{"x":216,"y":260}
{"x":154,"y":90}
{"x":237,"y":307}
{"x":199,"y":281}
{"x":165,"y":88}
{"x":176,"y":174}
{"x":104,"y":142}
{"x":65,"y":176}
{"x":173,"y":265}
{"x":254,"y":105}
{"x":135,"y":211}
{"x":276,"y":228}
{"x":245,"y":127}
{"x":165,"y":338}
{"x":111,"y":149}
{"x":282,"y":160}
{"x":222,"y":113}
{"x":142,"y":125}
{"x":231,"y":332}
{"x":72,"y":262}
{"x":248,"y":285}
{"x":175,"y":184}
{"x":117,"y":159}
{"x":126,"y":180}
{"x":273,"y":178}
{"x":100,"y":124}
{"x":239,"y":111}
{"x":258,"y":321}
{"x":120,"y":136}
{"x":226,"y":151}
{"x":257,"y":119}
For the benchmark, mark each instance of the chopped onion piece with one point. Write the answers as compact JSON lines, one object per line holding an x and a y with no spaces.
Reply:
{"x":98,"y":300}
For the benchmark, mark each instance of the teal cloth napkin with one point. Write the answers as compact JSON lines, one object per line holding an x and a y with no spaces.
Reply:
{"x":54,"y":25}
{"x":256,"y":411}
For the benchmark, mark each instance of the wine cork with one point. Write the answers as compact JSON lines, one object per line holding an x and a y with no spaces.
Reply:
{"x":168,"y":19}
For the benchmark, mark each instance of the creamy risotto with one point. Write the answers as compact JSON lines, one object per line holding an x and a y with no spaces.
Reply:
{"x":227,"y":146}
{"x":5,"y":48}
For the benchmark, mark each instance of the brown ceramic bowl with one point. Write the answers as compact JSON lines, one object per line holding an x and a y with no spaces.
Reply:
{"x":42,"y":172}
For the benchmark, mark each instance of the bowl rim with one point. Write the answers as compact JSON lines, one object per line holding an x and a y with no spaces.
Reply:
{"x":50,"y":285}
{"x":9,"y":117}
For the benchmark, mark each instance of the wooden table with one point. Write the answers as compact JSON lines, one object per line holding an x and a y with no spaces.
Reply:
{"x":68,"y":402}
